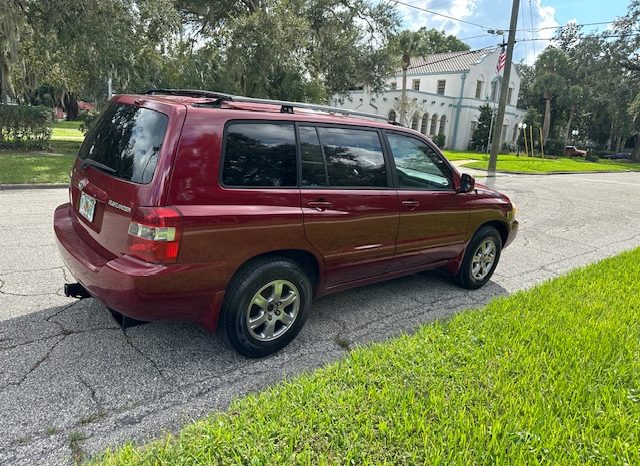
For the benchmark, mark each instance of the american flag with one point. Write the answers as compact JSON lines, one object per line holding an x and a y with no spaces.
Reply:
{"x":501,"y":60}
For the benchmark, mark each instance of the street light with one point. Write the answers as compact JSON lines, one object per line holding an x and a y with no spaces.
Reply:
{"x":575,"y":133}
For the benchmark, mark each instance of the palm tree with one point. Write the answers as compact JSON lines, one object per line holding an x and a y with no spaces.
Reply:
{"x":550,"y":85}
{"x":409,"y":44}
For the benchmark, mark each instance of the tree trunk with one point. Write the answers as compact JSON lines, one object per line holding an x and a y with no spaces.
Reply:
{"x":547,"y":119}
{"x":635,"y":155}
{"x":403,"y":98}
{"x":569,"y":123}
{"x":71,"y":107}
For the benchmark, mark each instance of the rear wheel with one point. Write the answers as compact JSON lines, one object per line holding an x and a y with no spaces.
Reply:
{"x":480,"y":259}
{"x":266,"y":306}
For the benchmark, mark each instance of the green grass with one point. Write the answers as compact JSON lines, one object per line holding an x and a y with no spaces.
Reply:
{"x":455,"y":155}
{"x":522,"y":164}
{"x":50,"y":166}
{"x":67,"y":131}
{"x":546,"y":376}
{"x":20,"y":169}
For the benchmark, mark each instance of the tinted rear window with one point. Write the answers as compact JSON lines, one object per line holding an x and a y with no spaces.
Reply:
{"x":260,"y":154}
{"x":128,"y":140}
{"x":354,"y":157}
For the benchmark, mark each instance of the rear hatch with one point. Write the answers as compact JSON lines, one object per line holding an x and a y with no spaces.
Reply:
{"x":123,"y":165}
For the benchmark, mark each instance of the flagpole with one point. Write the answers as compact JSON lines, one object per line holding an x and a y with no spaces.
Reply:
{"x":495,"y":144}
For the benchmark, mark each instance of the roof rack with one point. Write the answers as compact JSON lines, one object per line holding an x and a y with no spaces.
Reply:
{"x":188,"y":93}
{"x":285,"y":106}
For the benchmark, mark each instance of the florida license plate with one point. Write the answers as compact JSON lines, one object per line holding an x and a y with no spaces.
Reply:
{"x":87,"y":206}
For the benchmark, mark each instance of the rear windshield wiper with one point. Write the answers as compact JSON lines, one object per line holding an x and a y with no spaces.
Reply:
{"x":98,"y":165}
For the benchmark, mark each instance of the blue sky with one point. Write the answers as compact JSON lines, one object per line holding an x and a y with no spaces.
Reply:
{"x":541,"y":16}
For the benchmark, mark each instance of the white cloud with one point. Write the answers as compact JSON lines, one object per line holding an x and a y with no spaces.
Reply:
{"x":415,"y":19}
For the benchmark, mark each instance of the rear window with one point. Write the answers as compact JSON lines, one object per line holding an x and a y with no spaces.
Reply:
{"x":260,"y":155}
{"x":126,"y":139}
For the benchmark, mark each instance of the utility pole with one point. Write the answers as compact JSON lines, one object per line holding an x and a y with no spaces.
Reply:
{"x":495,"y":144}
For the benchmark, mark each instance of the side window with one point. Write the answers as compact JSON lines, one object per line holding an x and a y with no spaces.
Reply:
{"x":417,"y":165}
{"x":354,"y":157}
{"x":313,"y":167}
{"x":260,"y":154}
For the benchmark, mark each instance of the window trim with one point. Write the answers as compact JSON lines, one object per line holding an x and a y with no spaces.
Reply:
{"x":444,"y":87}
{"x":396,"y":184}
{"x":413,"y":85}
{"x":223,"y":153}
{"x":385,"y":157}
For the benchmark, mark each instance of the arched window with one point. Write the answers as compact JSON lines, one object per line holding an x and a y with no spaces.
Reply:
{"x":443,"y":122}
{"x":495,"y":90}
{"x":392,"y":115}
{"x":414,"y":121}
{"x":514,"y":138}
{"x":434,"y":124}
{"x":425,"y":123}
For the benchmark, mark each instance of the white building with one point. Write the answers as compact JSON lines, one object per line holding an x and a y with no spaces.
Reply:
{"x":444,"y":92}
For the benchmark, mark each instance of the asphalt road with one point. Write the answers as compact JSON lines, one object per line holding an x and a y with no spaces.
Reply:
{"x":73,"y":383}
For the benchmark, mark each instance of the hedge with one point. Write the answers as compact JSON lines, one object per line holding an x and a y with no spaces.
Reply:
{"x":25,"y":126}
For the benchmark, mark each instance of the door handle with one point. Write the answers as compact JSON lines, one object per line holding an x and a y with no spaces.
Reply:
{"x":320,"y":205}
{"x":410,"y":204}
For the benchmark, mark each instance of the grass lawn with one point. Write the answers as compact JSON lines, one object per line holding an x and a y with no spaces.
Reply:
{"x":17,"y":167}
{"x":67,"y":131}
{"x":512,"y":163}
{"x":550,"y":375}
{"x":455,"y":155}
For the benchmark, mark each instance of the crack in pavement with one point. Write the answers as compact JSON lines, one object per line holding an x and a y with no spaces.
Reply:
{"x":35,"y":366}
{"x":141,"y":353}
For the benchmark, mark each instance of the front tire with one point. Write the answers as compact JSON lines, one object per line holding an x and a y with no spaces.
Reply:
{"x":480,"y":259}
{"x":265,"y":307}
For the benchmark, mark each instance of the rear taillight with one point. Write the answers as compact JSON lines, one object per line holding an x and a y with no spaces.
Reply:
{"x":154,"y":234}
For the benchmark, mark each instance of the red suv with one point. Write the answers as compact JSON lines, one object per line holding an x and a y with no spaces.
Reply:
{"x":235,"y":212}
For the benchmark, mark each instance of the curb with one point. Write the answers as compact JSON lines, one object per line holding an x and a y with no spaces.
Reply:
{"x":553,"y":173}
{"x":16,"y":187}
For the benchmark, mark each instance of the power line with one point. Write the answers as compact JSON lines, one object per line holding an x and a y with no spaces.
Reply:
{"x":566,"y":25}
{"x":607,"y":36}
{"x":435,"y":13}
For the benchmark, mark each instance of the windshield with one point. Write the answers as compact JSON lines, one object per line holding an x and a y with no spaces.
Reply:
{"x":127,"y":140}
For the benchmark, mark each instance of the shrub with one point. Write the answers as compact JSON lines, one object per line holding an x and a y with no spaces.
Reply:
{"x":440,"y":140}
{"x":25,"y":126}
{"x":87,"y":120}
{"x":591,"y":157}
{"x":554,"y":147}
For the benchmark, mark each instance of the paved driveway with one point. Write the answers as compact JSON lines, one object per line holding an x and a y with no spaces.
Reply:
{"x":72,"y":382}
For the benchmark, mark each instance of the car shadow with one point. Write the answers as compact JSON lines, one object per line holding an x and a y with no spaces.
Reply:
{"x":74,"y":369}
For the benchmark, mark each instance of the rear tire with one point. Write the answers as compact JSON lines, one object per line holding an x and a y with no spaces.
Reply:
{"x":265,"y":307}
{"x":480,"y":259}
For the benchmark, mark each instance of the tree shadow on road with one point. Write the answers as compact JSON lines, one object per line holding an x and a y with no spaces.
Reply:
{"x":72,"y":373}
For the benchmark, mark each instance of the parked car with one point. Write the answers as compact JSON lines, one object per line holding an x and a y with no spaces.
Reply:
{"x":618,"y":156}
{"x":235,"y":213}
{"x":572,"y":151}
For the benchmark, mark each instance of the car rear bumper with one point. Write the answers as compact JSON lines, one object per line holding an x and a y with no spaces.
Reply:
{"x":132,"y":287}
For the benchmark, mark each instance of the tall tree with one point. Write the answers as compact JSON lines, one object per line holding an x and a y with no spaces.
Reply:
{"x":412,"y":44}
{"x":551,"y":66}
{"x":13,"y":27}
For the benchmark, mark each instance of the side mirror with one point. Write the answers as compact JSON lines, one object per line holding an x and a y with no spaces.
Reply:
{"x":467,"y":183}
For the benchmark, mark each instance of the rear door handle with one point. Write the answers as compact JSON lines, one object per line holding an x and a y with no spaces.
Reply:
{"x":320,"y":205}
{"x":411,"y":204}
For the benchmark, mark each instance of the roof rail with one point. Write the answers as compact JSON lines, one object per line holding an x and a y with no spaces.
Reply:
{"x":188,"y":93}
{"x":285,"y":106}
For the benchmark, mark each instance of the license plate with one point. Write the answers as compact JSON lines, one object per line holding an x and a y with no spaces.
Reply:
{"x":87,"y":206}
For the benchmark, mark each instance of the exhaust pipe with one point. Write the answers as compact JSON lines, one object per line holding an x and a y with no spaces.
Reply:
{"x":76,"y":290}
